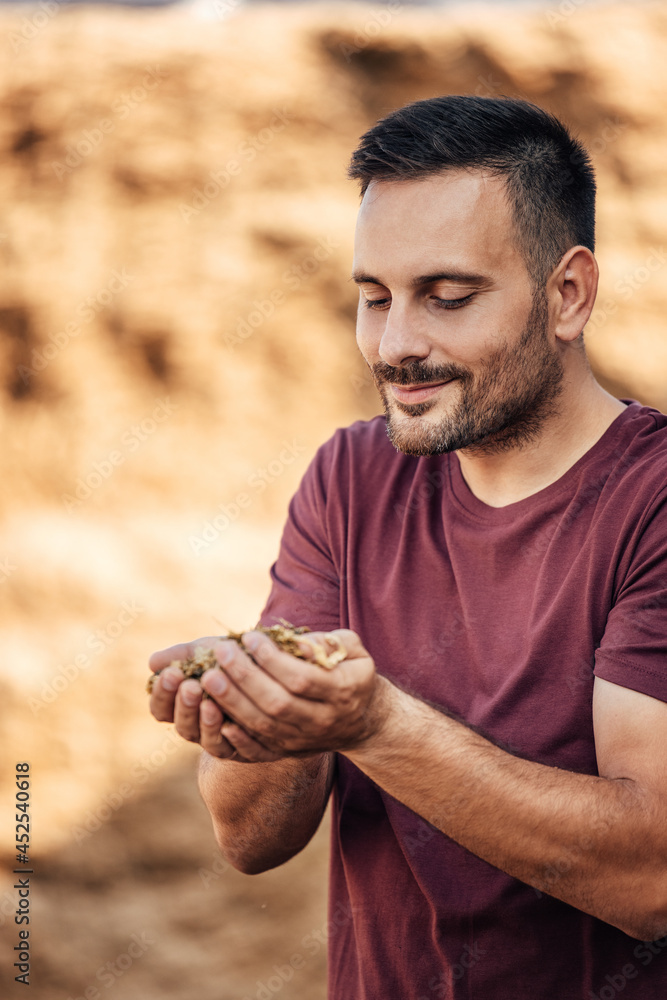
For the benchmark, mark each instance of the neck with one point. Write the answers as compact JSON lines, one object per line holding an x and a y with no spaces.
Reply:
{"x":585,"y":411}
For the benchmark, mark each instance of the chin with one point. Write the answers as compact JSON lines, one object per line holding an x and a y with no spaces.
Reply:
{"x":418,"y":437}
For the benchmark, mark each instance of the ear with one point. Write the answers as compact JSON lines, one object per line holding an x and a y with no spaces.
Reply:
{"x":572,"y":288}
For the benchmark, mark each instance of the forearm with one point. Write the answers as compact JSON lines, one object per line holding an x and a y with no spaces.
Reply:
{"x":264,"y":814}
{"x":593,"y":842}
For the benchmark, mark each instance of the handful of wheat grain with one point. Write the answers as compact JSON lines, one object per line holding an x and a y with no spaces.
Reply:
{"x":284,"y":635}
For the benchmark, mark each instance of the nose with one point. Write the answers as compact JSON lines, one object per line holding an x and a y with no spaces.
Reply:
{"x":403,"y":340}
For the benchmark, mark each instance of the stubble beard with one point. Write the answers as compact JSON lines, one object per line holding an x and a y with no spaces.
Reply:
{"x":501,"y":407}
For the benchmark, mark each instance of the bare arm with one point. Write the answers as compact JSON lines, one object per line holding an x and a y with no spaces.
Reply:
{"x":263,"y":813}
{"x":604,"y":836}
{"x":598,"y":843}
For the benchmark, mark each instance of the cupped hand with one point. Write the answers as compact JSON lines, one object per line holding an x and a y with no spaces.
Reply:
{"x":178,"y":699}
{"x":266,"y":704}
{"x":282,"y":705}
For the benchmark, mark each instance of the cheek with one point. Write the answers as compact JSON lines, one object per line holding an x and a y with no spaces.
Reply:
{"x":367,"y":341}
{"x":479,"y":336}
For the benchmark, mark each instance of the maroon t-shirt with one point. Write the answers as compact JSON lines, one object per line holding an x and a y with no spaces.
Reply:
{"x":501,"y":616}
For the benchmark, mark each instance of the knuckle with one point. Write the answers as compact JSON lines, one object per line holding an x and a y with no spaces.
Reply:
{"x":188,"y":734}
{"x":279,"y":708}
{"x":346,"y":696}
{"x":205,"y":640}
{"x":216,"y":746}
{"x":329,"y":717}
{"x":210,"y":724}
{"x":264,"y":652}
{"x":238,"y":670}
{"x":263,"y":727}
{"x":162,"y":710}
{"x":301,"y":684}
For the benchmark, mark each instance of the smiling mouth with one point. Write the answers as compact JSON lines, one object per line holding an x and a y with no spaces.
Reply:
{"x":417,"y":393}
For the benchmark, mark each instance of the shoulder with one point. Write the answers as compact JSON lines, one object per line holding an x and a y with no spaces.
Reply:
{"x":638,"y":460}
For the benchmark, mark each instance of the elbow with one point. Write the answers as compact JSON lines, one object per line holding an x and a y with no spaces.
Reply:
{"x":651,"y":927}
{"x":645,"y":930}
{"x":250,"y":859}
{"x":648,"y":921}
{"x":254,"y":864}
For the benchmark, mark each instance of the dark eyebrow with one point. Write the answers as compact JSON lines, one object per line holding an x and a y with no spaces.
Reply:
{"x":459,"y":277}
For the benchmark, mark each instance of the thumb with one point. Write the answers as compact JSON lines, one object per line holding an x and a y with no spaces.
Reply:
{"x":330,"y":648}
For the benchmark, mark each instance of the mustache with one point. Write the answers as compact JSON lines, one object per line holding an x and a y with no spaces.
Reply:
{"x":416,"y":373}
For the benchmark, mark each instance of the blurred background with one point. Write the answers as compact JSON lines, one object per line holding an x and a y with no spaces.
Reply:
{"x":176,"y":339}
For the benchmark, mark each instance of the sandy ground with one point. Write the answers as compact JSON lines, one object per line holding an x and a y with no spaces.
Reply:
{"x":146,"y":907}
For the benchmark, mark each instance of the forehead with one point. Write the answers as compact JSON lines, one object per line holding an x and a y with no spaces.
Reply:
{"x":458,"y":218}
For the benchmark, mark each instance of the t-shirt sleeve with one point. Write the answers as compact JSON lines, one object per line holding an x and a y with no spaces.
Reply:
{"x":305,"y":583}
{"x":633,"y":650}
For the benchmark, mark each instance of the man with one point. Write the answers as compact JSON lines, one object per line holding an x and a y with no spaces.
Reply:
{"x":493,"y":553}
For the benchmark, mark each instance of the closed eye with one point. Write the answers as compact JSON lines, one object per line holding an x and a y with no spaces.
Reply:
{"x":440,"y":303}
{"x":376,"y":303}
{"x":452,"y":303}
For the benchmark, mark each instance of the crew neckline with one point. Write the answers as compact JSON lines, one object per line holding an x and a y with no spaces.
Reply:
{"x":467,"y":500}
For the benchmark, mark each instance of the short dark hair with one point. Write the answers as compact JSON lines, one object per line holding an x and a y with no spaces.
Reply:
{"x":549,"y":174}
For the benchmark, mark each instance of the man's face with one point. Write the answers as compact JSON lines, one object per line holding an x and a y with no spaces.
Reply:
{"x":456,"y":341}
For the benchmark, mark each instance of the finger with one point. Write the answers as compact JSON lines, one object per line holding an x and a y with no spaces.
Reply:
{"x":351,"y":642}
{"x":186,"y":710}
{"x":279,"y":716}
{"x":210,"y":725}
{"x":323,"y":648}
{"x":258,"y":684}
{"x":163,"y":657}
{"x":273,"y":700}
{"x":247,"y":747}
{"x":300,"y":677}
{"x":163,"y":695}
{"x":234,"y":702}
